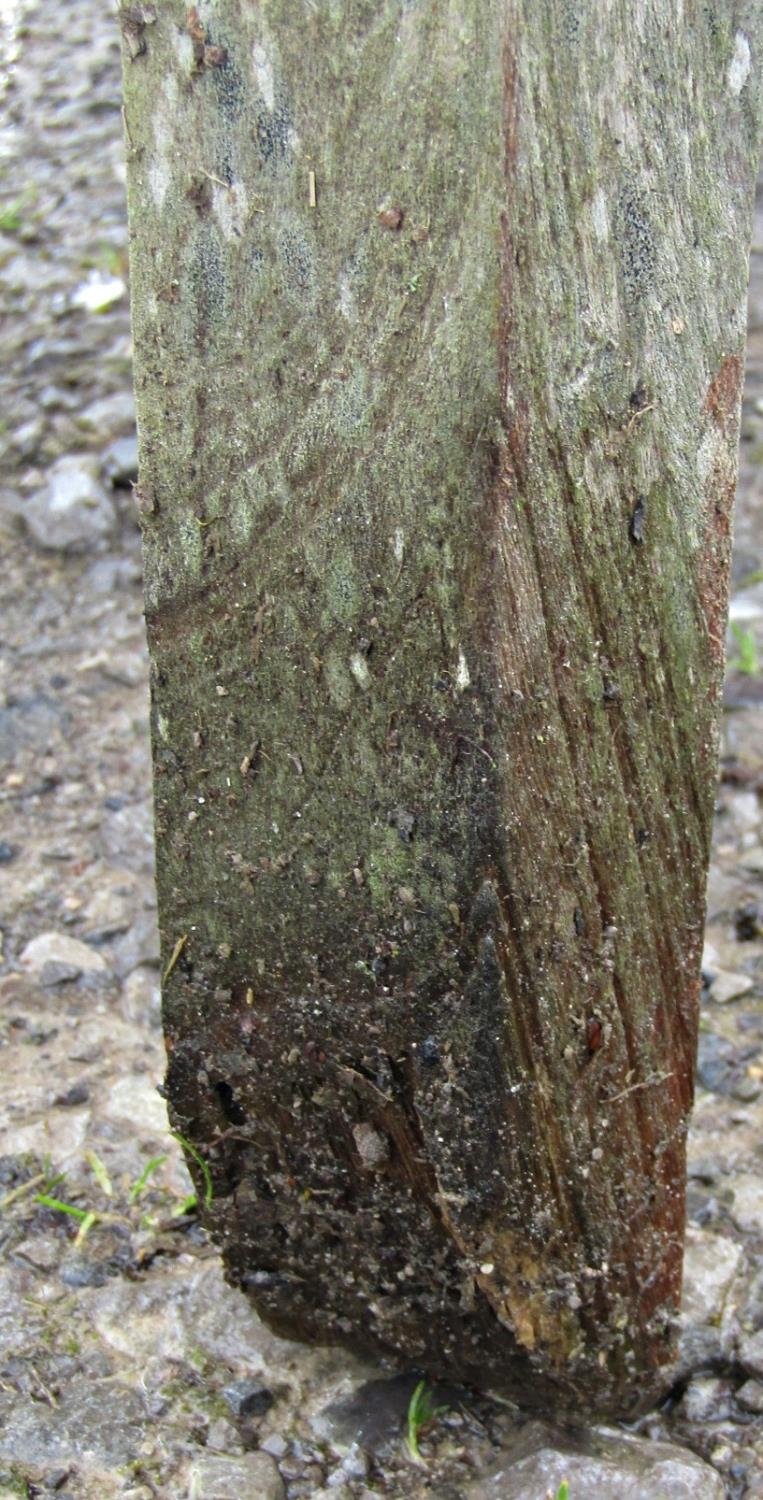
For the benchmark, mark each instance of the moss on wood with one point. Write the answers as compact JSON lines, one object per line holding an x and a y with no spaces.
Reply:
{"x":439,"y":313}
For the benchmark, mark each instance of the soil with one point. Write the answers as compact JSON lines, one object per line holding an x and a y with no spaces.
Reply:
{"x":127,"y":1366}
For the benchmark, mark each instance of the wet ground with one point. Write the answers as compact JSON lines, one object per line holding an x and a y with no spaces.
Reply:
{"x":127,"y":1367}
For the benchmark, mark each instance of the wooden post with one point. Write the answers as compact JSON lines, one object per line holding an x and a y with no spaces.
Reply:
{"x":439,"y":316}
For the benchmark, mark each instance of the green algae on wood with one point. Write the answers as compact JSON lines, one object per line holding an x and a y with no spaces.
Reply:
{"x":439,"y":313}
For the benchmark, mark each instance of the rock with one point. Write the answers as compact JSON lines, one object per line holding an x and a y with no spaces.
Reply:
{"x":275,"y":1444}
{"x":102,"y":1419}
{"x":78,"y":1273}
{"x":372,"y":1415}
{"x":748,"y":1202}
{"x":7,"y":852}
{"x":111,"y":907}
{"x":718,"y":1063}
{"x":142,"y":998}
{"x":99,"y":292}
{"x":111,"y":415}
{"x":120,"y":462}
{"x":616,"y":1467}
{"x":750,"y":1396}
{"x":746,"y":1090}
{"x":54,"y":957}
{"x":42,"y":1250}
{"x":706,"y":1399}
{"x":27,"y":437}
{"x":747,"y":922}
{"x":248,"y":1398}
{"x":252,"y":1476}
{"x":710,"y":1265}
{"x":79,"y":1093}
{"x":136,"y":1098}
{"x":727,"y":986}
{"x":72,"y":511}
{"x":138,"y":946}
{"x":108,"y":574}
{"x":751,"y":1353}
{"x":222,"y":1437}
{"x":354,"y":1465}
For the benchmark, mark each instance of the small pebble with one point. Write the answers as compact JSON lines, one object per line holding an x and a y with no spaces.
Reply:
{"x":222,"y":1437}
{"x":747,"y":921}
{"x":248,"y":1398}
{"x":727,"y":986}
{"x":275,"y":1445}
{"x":706,"y":1399}
{"x":751,"y":1353}
{"x":79,"y":1093}
{"x":750,"y":1396}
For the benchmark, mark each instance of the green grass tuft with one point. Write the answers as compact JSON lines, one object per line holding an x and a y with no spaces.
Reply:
{"x":421,"y":1411}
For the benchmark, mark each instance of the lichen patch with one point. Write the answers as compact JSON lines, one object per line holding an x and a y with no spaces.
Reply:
{"x":739,"y":67}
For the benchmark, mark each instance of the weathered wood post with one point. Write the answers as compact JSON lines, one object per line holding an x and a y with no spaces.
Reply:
{"x":439,"y":315}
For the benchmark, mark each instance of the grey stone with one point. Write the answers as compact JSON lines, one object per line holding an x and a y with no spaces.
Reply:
{"x":748,"y":1202}
{"x":752,"y":859}
{"x":54,"y":957}
{"x":111,"y":415}
{"x":248,"y":1398}
{"x":750,"y":1396}
{"x":717,"y":1063}
{"x":252,"y":1476}
{"x":108,"y":574}
{"x":142,"y":999}
{"x":275,"y":1444}
{"x":751,"y":1353}
{"x":706,"y":1399}
{"x":710,"y":1264}
{"x":727,"y":986}
{"x":72,"y":511}
{"x":615,"y":1467}
{"x":28,"y":437}
{"x":746,"y":1090}
{"x":222,"y":1437}
{"x":372,"y":1415}
{"x":120,"y":461}
{"x":103,"y":1419}
{"x":355,"y":1464}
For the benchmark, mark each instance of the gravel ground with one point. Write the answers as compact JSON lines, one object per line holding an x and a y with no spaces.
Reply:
{"x":127,"y":1367}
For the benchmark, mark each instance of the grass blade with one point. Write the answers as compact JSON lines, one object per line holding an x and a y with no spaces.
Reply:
{"x":148,"y":1171}
{"x":209,"y":1191}
{"x":84,"y":1229}
{"x":62,"y":1208}
{"x":99,"y":1172}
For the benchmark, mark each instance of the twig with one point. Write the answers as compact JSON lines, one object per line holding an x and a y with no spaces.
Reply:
{"x":227,"y":185}
{"x":176,"y":952}
{"x":648,"y":1083}
{"x":26,"y":1187}
{"x":49,"y":1397}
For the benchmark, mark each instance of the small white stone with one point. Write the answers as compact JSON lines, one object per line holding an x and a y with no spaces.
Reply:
{"x":99,"y":292}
